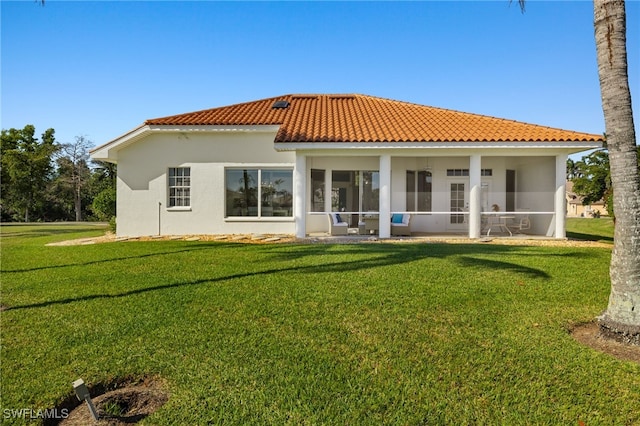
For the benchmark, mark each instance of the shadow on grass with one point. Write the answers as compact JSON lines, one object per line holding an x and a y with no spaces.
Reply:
{"x":113,"y":259}
{"x":466,"y":261}
{"x":589,"y":237}
{"x":306,"y":269}
{"x":408,"y":252}
{"x":376,"y":256}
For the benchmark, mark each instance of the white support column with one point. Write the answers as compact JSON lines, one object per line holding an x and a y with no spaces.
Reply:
{"x":385,"y":197}
{"x":300,"y":194}
{"x":328,"y":188}
{"x":475,"y":196}
{"x":560,"y":196}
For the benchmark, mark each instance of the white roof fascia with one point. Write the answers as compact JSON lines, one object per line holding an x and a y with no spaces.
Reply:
{"x":108,"y":151}
{"x":409,"y":146}
{"x":258,"y":128}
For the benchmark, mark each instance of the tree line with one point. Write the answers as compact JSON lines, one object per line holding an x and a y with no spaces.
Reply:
{"x":591,"y":177}
{"x":44,"y":180}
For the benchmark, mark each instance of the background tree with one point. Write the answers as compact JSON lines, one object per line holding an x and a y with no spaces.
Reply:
{"x":572,"y":169}
{"x":592,"y":179}
{"x":59,"y":193}
{"x":622,"y":316}
{"x":73,"y":174}
{"x":8,"y":142}
{"x":26,"y":170}
{"x":103,"y":188}
{"x":62,"y":192}
{"x":46,"y":181}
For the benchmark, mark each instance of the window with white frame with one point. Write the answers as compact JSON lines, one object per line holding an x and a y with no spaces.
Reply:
{"x":179,"y":186}
{"x":259,"y":192}
{"x":465,"y":172}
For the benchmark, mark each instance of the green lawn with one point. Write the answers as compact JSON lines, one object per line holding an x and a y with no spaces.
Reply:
{"x":314,"y":334}
{"x":600,"y":229}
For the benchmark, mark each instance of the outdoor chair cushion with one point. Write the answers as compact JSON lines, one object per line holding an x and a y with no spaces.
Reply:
{"x":337,"y":220}
{"x":336,"y":226}
{"x":401,"y":227}
{"x":400,"y":219}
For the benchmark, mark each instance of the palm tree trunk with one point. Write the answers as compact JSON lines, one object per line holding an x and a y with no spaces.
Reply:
{"x":621,"y":320}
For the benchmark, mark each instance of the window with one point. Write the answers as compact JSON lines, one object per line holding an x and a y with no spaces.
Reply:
{"x":411,"y":191}
{"x":355,"y":190}
{"x":179,"y":186}
{"x":242,"y":192}
{"x":276,"y":192}
{"x":370,"y":191}
{"x":457,"y":172}
{"x":419,"y":191}
{"x":465,"y":172}
{"x":317,"y":190}
{"x":259,"y":192}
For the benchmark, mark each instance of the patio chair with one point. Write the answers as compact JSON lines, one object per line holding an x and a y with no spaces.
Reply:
{"x":336,"y":225}
{"x":400,"y":224}
{"x":520,"y":223}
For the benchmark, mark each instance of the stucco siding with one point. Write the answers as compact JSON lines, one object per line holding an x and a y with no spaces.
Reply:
{"x":142,"y":183}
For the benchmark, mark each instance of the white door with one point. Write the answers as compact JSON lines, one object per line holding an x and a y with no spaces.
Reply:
{"x":458,"y":202}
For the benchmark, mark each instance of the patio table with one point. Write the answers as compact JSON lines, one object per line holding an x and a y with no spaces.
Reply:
{"x":499,"y":222}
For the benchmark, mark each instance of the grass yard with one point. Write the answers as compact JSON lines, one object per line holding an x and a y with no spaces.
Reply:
{"x":600,"y":229}
{"x":409,"y":333}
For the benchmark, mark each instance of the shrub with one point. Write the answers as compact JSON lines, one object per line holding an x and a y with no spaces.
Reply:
{"x":104,"y":204}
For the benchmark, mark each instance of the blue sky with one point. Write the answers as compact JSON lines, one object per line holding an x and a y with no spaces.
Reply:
{"x":99,"y":69}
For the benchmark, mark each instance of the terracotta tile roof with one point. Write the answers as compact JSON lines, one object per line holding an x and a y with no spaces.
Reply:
{"x":361,"y":118}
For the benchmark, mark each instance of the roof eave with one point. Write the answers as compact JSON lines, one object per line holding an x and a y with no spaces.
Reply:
{"x":108,"y":151}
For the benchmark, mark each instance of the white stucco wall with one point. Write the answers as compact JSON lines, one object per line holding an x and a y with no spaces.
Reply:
{"x":142,"y":183}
